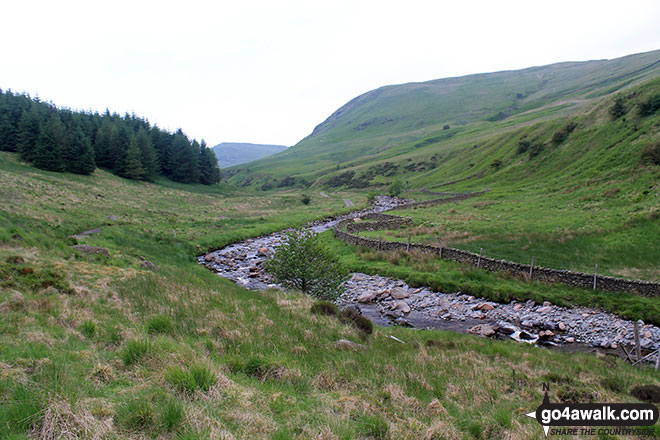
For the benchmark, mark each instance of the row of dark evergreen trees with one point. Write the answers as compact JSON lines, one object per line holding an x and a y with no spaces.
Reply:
{"x":59,"y":139}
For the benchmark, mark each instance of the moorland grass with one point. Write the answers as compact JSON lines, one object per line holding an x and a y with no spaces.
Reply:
{"x":276,"y":367}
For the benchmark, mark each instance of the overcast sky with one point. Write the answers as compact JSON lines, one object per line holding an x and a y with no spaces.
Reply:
{"x":269,"y":71}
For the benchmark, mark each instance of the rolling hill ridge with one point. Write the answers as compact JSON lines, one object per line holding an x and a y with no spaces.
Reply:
{"x":395,"y":123}
{"x":236,"y":153}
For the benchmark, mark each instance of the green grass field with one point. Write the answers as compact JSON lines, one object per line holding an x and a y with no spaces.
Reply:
{"x":97,"y":347}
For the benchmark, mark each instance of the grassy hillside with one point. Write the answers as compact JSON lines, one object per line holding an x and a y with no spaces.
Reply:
{"x":235,"y":153}
{"x":388,"y":123}
{"x":573,"y":187}
{"x":572,"y":192}
{"x":107,"y":348}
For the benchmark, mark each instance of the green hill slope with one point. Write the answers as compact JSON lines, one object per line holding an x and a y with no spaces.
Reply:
{"x":390,"y":122}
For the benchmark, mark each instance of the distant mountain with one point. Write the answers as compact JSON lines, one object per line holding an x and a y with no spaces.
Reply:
{"x":234,"y":153}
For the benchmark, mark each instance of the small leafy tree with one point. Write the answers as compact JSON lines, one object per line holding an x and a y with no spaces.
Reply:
{"x":301,"y":262}
{"x":395,"y":188}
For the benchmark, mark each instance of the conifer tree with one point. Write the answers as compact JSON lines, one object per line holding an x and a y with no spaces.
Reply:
{"x":105,"y":145}
{"x":11,"y":109}
{"x":78,"y":154}
{"x":184,"y":161}
{"x":58,"y":139}
{"x":208,"y":166}
{"x":133,"y":168}
{"x":27,"y":134}
{"x":162,"y":143}
{"x":147,"y":154}
{"x":122,"y":142}
{"x":47,"y":153}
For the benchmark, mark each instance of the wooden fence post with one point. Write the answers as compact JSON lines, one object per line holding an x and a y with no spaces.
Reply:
{"x":638,"y":348}
{"x":408,"y":245}
{"x":479,"y":259}
{"x":531,"y":268}
{"x":595,"y":275}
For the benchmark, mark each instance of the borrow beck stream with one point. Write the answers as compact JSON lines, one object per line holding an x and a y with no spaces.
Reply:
{"x":387,"y":301}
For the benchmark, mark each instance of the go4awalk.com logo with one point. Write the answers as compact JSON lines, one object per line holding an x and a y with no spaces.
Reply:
{"x":595,"y":418}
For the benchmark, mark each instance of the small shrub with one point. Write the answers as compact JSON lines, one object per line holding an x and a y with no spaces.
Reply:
{"x":305,"y":199}
{"x":496,"y":164}
{"x":134,"y":351}
{"x":650,"y":106}
{"x":362,"y":323}
{"x":371,"y":196}
{"x":651,"y":154}
{"x":446,"y":127}
{"x":88,"y":329}
{"x":561,"y":135}
{"x":535,"y":150}
{"x":324,"y":308}
{"x":137,"y":413}
{"x":523,"y":146}
{"x":646,"y":393}
{"x":160,"y":324}
{"x":618,"y":109}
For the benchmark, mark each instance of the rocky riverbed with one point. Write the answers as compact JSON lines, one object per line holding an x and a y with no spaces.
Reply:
{"x":528,"y":321}
{"x":392,"y":302}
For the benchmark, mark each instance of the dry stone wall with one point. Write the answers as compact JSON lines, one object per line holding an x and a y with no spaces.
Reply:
{"x":434,"y":202}
{"x":381,"y":221}
{"x":344,"y":231}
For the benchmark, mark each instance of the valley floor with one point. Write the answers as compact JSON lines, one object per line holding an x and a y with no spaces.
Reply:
{"x":113,"y":347}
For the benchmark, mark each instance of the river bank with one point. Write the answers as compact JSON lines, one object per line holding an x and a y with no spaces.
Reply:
{"x":392,"y":302}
